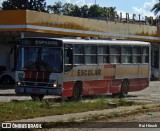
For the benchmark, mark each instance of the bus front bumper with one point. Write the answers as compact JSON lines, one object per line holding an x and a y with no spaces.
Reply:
{"x":37,"y":90}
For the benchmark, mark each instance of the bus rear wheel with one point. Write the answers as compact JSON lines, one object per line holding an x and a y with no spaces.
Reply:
{"x":77,"y":92}
{"x":37,"y":97}
{"x":124,"y":88}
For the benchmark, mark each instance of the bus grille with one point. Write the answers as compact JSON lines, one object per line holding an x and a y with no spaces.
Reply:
{"x":35,"y":84}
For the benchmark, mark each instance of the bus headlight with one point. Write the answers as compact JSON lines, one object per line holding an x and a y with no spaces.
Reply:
{"x":55,"y":85}
{"x":19,"y":83}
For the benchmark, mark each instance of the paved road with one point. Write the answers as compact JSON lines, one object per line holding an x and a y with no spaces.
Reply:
{"x":150,"y":94}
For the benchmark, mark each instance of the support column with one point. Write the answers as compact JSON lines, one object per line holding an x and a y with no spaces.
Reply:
{"x":22,"y":34}
{"x":159,"y":61}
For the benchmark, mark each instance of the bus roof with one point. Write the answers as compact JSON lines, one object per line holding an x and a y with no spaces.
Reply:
{"x":94,"y":41}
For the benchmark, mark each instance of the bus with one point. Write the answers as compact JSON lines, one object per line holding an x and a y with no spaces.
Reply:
{"x":72,"y":68}
{"x":7,"y":64}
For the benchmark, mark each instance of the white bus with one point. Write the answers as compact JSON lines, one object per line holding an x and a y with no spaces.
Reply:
{"x":72,"y":68}
{"x":7,"y":64}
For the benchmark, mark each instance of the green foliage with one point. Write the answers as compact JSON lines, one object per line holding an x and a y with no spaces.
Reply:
{"x":156,"y":7}
{"x":29,"y":109}
{"x":37,"y":5}
{"x":58,"y":7}
{"x":84,"y":11}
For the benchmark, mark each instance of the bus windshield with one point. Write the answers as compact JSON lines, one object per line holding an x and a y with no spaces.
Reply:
{"x":40,"y":59}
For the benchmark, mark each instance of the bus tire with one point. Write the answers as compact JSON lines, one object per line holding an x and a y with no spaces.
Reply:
{"x":77,"y":91}
{"x":7,"y":80}
{"x":124,"y":88}
{"x":37,"y":97}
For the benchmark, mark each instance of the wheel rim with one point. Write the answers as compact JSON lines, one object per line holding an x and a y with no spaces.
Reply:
{"x":6,"y":81}
{"x":124,"y":90}
{"x":76,"y":92}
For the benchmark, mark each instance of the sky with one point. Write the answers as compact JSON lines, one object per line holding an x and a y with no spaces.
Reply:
{"x":142,"y":7}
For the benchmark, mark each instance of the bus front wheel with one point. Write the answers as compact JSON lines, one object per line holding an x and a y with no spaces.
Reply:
{"x":37,"y":97}
{"x":124,"y":88}
{"x":7,"y":80}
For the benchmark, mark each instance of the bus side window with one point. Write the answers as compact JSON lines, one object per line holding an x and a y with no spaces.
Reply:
{"x":145,"y":55}
{"x":103,"y":54}
{"x":68,"y":59}
{"x":78,"y":54}
{"x":115,"y":54}
{"x":137,"y":57}
{"x":126,"y":54}
{"x":91,"y":54}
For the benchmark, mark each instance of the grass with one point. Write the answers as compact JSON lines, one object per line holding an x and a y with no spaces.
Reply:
{"x":29,"y":109}
{"x":90,"y":120}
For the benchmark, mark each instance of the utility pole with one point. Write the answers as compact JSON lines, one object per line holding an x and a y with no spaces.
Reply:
{"x":95,"y":2}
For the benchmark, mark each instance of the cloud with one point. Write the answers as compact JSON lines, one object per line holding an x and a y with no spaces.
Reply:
{"x":80,"y":2}
{"x":145,"y":10}
{"x":68,"y":1}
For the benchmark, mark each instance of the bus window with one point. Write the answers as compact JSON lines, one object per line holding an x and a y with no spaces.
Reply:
{"x":52,"y":58}
{"x":137,"y":54}
{"x":126,"y":54}
{"x":68,"y":59}
{"x":79,"y":54}
{"x":103,"y":54}
{"x":145,"y":55}
{"x":91,"y":54}
{"x":115,"y":54}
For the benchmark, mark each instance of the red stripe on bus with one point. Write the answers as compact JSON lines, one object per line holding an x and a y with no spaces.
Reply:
{"x":109,"y":77}
{"x":68,"y":89}
{"x":27,"y":74}
{"x":109,"y":66}
{"x":36,"y":76}
{"x":40,"y":75}
{"x":96,"y":87}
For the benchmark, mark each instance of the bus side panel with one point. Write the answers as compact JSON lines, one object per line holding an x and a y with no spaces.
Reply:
{"x":115,"y":86}
{"x":67,"y":89}
{"x":137,"y":75}
{"x":95,"y":87}
{"x":138,"y":84}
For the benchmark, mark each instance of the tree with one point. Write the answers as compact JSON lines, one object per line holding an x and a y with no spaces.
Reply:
{"x":67,"y":9}
{"x":95,"y":11}
{"x":156,"y":7}
{"x":76,"y":11}
{"x":111,"y":13}
{"x":56,"y":8}
{"x":37,"y":5}
{"x":84,"y":11}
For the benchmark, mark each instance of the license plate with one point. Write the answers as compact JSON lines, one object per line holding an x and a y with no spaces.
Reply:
{"x":35,"y":91}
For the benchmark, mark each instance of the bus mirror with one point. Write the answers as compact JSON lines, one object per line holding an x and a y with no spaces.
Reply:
{"x":69,"y":52}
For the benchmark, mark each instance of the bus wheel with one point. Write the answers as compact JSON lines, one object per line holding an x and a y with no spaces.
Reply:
{"x":37,"y":97}
{"x":124,"y":88}
{"x":7,"y":80}
{"x":77,"y":92}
